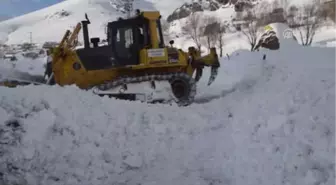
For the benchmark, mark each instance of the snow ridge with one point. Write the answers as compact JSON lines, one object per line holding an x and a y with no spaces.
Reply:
{"x":262,"y":122}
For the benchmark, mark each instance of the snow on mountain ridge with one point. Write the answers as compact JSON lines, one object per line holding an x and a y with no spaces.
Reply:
{"x":48,"y":24}
{"x":38,"y":22}
{"x":44,"y":28}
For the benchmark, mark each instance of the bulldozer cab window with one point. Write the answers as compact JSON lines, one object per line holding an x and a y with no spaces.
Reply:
{"x":159,"y":34}
{"x":123,"y":42}
{"x":129,"y":40}
{"x":128,"y":37}
{"x":141,"y":35}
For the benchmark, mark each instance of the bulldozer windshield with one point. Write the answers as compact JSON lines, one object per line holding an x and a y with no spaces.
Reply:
{"x":128,"y":37}
{"x":159,"y":33}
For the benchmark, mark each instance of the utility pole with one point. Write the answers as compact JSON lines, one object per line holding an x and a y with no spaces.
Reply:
{"x":129,"y":7}
{"x":31,"y":37}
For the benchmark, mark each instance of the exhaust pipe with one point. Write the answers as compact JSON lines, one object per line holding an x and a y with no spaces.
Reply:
{"x":86,"y":32}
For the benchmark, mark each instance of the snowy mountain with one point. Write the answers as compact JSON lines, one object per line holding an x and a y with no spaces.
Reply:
{"x":262,"y":122}
{"x":49,"y":24}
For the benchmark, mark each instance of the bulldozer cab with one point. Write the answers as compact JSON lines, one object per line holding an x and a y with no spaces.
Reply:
{"x":126,"y":38}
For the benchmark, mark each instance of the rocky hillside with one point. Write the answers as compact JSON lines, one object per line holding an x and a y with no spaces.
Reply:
{"x":201,"y":5}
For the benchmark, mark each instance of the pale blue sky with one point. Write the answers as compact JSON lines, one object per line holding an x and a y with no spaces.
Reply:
{"x":12,"y":8}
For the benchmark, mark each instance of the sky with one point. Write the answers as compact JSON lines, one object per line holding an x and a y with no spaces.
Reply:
{"x":13,"y":8}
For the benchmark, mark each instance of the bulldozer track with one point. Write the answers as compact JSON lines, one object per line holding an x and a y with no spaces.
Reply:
{"x":171,"y":77}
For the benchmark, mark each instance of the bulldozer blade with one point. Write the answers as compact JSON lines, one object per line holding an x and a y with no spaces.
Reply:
{"x":199,"y":73}
{"x":213,"y":75}
{"x":50,"y":78}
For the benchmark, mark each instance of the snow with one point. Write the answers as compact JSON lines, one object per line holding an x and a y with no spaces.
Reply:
{"x":47,"y":24}
{"x":166,"y":7}
{"x":261,"y":122}
{"x":37,"y":22}
{"x":27,"y":65}
{"x":234,"y":40}
{"x":23,"y":68}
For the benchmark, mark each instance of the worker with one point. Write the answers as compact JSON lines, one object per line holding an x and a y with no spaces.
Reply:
{"x":48,"y":68}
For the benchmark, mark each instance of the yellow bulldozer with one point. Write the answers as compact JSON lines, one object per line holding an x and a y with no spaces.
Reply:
{"x":134,"y":53}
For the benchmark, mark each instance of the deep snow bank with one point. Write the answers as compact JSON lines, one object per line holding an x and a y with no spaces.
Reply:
{"x":260,"y":123}
{"x":26,"y":65}
{"x":24,"y":68}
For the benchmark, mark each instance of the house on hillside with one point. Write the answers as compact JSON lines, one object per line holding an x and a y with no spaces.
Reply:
{"x":329,"y":8}
{"x":48,"y":45}
{"x":242,"y":5}
{"x":10,"y":56}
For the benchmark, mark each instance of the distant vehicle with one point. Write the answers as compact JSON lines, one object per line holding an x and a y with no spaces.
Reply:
{"x":32,"y":55}
{"x":11,"y":57}
{"x":48,"y":45}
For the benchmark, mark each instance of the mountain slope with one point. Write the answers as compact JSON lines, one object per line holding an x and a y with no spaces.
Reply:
{"x":262,"y":122}
{"x":49,"y":24}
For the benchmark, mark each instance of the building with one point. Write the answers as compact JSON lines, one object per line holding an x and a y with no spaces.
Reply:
{"x":48,"y":45}
{"x":329,"y":7}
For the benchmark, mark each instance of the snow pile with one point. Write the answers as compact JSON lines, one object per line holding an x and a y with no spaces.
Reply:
{"x":30,"y":66}
{"x":23,"y":68}
{"x":260,"y":123}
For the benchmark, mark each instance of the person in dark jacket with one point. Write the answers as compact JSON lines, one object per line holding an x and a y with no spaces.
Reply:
{"x":48,"y":68}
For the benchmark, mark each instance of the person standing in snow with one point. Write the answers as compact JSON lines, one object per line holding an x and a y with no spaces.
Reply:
{"x":48,"y":70}
{"x":268,"y":39}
